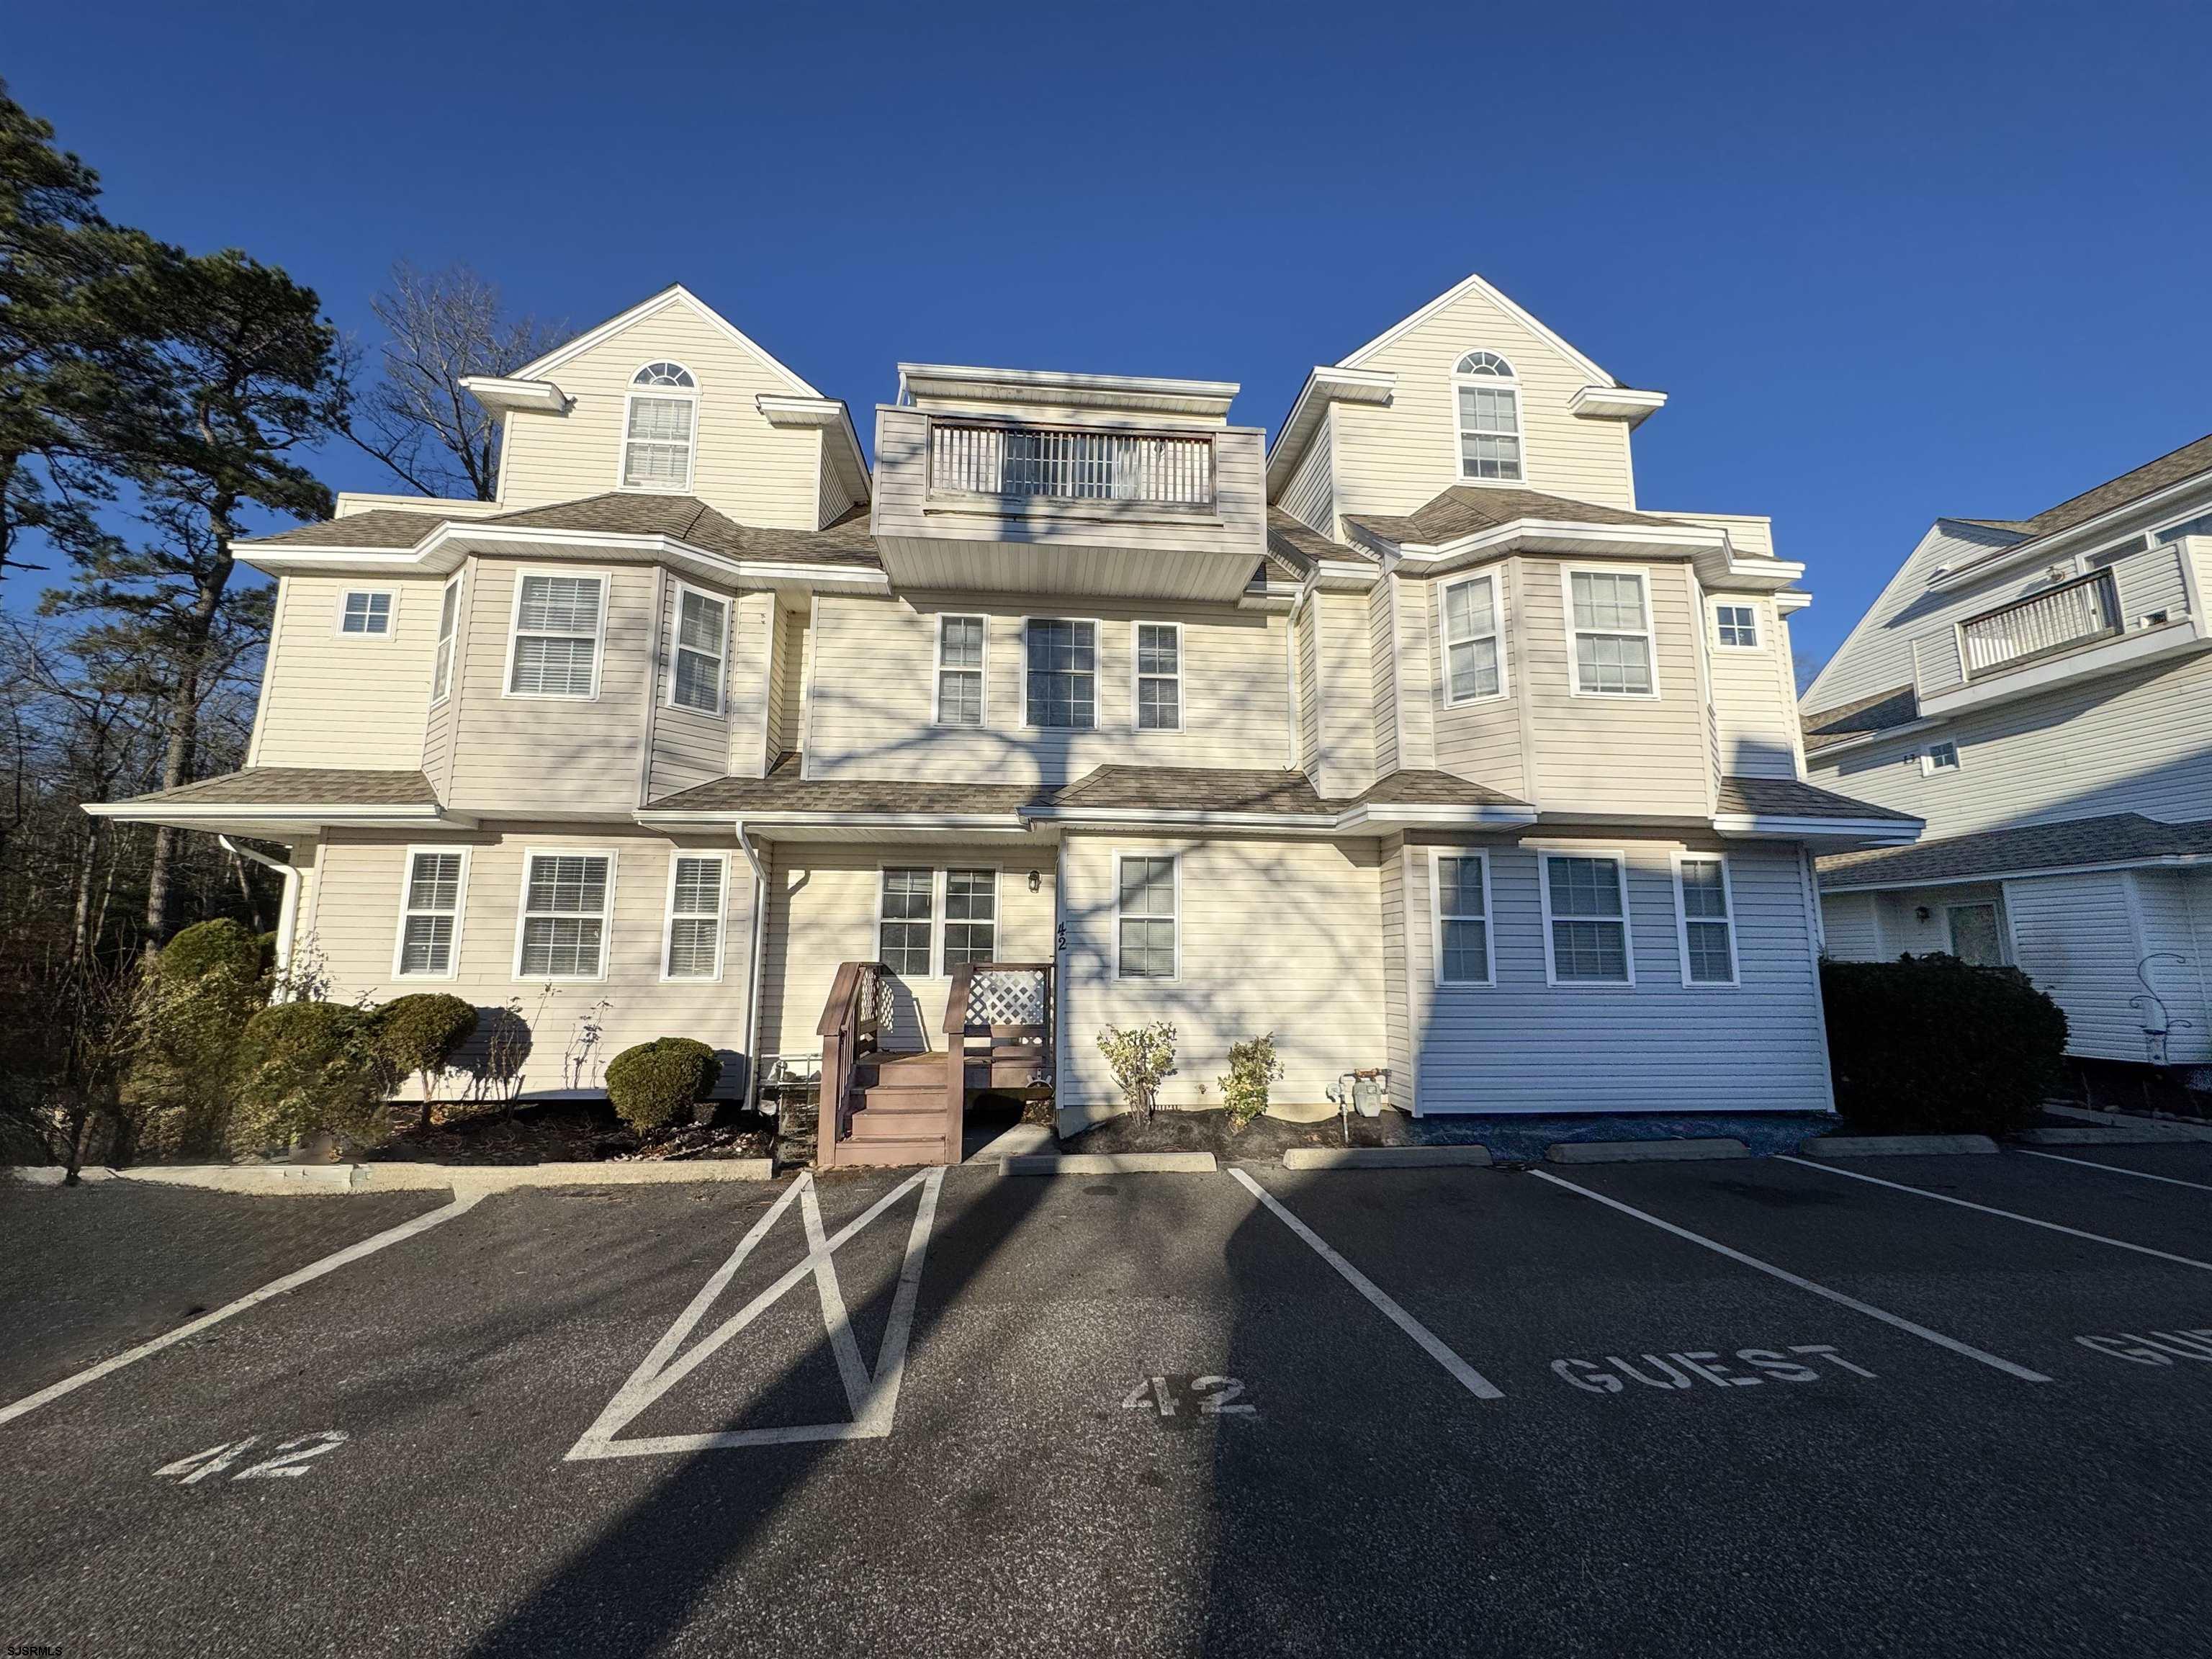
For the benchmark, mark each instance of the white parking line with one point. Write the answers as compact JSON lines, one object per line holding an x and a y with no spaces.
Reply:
{"x":462,"y":1201}
{"x":1789,"y":1278}
{"x":2010,"y":1215}
{"x":2114,"y":1168}
{"x":1471,"y":1379}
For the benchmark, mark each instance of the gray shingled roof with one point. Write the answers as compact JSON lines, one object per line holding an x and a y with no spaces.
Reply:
{"x":1464,"y":510}
{"x":1788,"y":797}
{"x":2117,"y":838}
{"x":1878,"y":713}
{"x":2153,"y":476}
{"x":1193,"y":789}
{"x":623,"y":512}
{"x":1299,"y":547}
{"x":784,"y":791}
{"x":1426,"y":788}
{"x":298,"y":786}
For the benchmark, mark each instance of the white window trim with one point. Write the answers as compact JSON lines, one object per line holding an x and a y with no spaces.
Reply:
{"x":390,"y":615}
{"x":936,"y":672}
{"x":447,"y":649}
{"x":1137,"y":677}
{"x":1437,"y":918}
{"x":1544,"y":855}
{"x":1511,"y":382}
{"x":1497,"y":633}
{"x":668,"y":915}
{"x":1643,"y":574}
{"x":1757,"y":623}
{"x":606,"y":916}
{"x":675,"y":644}
{"x":631,"y":394}
{"x":937,"y":917}
{"x":1098,"y":674}
{"x":1926,"y":758}
{"x":1175,"y":858}
{"x":460,"y":914}
{"x":605,"y":578}
{"x":1682,"y":922}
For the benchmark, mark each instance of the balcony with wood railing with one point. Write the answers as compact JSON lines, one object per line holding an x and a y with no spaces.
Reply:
{"x":978,"y":460}
{"x":2061,"y":618}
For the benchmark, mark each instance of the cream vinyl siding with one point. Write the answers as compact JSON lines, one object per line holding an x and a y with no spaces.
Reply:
{"x":346,"y":700}
{"x":525,"y":755}
{"x":352,"y":908}
{"x":786,"y":693}
{"x":874,"y":664}
{"x":689,"y":746}
{"x":1311,"y":496}
{"x":1397,"y":990}
{"x":1523,"y":1046}
{"x":1481,"y":740}
{"x":1848,"y":921}
{"x":1346,"y":642}
{"x":753,"y":620}
{"x":2140,"y":742}
{"x":1754,"y":706}
{"x":1275,"y":936}
{"x":1394,"y":458}
{"x":1382,"y":675}
{"x":742,"y":465}
{"x":822,"y":911}
{"x":1600,"y":754}
{"x":1310,"y":689}
{"x":835,"y":498}
{"x":2073,"y":935}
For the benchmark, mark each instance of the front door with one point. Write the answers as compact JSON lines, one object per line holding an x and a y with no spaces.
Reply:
{"x":1974,"y":936}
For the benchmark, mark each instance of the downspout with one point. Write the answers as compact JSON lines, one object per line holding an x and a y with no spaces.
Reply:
{"x":287,"y":909}
{"x":753,"y":982}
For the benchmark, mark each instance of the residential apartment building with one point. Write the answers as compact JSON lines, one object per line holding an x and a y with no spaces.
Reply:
{"x":1413,"y":741}
{"x":2040,"y":691}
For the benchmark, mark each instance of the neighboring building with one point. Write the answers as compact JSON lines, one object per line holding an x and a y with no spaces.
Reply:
{"x":2040,"y":691}
{"x":1415,"y":742}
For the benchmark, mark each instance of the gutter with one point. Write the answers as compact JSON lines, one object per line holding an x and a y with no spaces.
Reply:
{"x":753,"y":982}
{"x":287,"y":909}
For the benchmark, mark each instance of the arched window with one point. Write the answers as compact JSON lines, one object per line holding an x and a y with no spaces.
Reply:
{"x":1487,"y":397}
{"x":658,"y":426}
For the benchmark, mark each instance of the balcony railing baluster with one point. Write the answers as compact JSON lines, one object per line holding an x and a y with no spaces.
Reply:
{"x":1058,"y":463}
{"x":2057,"y":619}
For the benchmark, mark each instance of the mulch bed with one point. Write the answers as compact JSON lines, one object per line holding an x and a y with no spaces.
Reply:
{"x":1262,"y":1138}
{"x":565,"y":1131}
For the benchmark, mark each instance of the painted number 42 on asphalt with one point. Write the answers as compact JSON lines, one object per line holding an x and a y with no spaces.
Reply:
{"x":1181,"y":1397}
{"x":288,"y":1459}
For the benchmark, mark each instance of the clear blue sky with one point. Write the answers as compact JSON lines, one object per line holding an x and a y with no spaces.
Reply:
{"x":1887,"y":263}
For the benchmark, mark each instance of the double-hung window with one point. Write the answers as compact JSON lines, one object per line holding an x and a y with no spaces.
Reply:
{"x":366,"y":613}
{"x":554,"y":650}
{"x":1736,"y":626}
{"x":702,"y":633}
{"x":1146,"y":946}
{"x":1609,"y":615}
{"x":1061,"y":674}
{"x":1472,"y":667}
{"x":1707,"y":919}
{"x":1586,"y":919}
{"x":430,"y":914}
{"x":960,"y":647}
{"x":906,"y":912}
{"x":1159,"y":676}
{"x":1488,"y":407}
{"x":971,"y":917}
{"x":566,"y":900}
{"x":1462,"y":941}
{"x":449,"y":617}
{"x":658,"y":428}
{"x":1939,"y":757}
{"x":694,"y":946}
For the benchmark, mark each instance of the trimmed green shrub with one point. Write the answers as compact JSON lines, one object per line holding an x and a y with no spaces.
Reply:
{"x":1930,"y":1045}
{"x":655,"y":1082}
{"x":419,"y":1037}
{"x":204,"y":986}
{"x":1141,"y":1058}
{"x":307,"y":1065}
{"x":1253,"y":1069}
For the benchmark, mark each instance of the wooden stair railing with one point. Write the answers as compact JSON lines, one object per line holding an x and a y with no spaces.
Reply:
{"x":850,"y":1027}
{"x":982,"y":997}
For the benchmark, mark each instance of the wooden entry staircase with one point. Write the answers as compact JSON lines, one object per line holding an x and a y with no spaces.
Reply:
{"x":882,"y":1107}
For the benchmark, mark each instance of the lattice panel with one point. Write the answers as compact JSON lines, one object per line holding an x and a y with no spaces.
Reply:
{"x":1003,"y":998}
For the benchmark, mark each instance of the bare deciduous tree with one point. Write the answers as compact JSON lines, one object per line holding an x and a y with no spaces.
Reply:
{"x":439,"y":327}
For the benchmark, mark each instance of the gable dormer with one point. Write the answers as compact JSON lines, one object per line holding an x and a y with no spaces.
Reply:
{"x":1468,"y":391}
{"x":670,"y":399}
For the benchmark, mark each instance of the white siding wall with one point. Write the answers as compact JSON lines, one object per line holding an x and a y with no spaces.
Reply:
{"x":1848,"y":919}
{"x":352,"y":912}
{"x":1755,"y":704}
{"x":1277,"y":937}
{"x":1311,"y":496}
{"x":1310,"y":688}
{"x":2075,"y":937}
{"x":1481,"y":741}
{"x":2166,"y":908}
{"x":1347,"y":644}
{"x":346,"y":700}
{"x":1397,"y":983}
{"x":874,"y":662}
{"x":1523,"y":1046}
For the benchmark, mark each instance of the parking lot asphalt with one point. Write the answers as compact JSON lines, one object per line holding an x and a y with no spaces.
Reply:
{"x":1684,"y":1409}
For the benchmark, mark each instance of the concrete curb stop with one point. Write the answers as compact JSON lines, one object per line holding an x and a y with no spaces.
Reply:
{"x":2148,"y":1133}
{"x":265,"y":1180}
{"x":1643,"y":1151}
{"x":1893,"y":1145}
{"x":1096,"y":1163}
{"x":1385,"y":1157}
